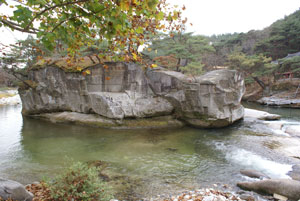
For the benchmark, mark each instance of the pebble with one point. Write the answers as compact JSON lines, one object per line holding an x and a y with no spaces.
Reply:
{"x":207,"y":194}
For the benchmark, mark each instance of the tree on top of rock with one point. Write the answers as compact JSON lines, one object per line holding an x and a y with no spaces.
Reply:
{"x":183,"y":48}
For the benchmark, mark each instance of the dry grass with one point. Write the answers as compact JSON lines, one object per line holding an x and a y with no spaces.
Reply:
{"x":68,"y":64}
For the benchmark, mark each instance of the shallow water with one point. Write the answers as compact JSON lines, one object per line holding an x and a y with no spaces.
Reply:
{"x":165,"y":161}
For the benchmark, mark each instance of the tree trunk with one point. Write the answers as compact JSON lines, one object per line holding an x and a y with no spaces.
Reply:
{"x":178,"y":65}
{"x":260,"y":82}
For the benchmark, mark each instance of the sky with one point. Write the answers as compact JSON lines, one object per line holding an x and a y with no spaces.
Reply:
{"x":213,"y":16}
{"x":228,"y":16}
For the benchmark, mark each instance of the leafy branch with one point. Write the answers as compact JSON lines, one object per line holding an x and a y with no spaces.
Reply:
{"x":51,"y":8}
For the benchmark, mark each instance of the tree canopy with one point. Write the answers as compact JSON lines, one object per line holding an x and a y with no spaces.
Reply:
{"x":122,"y":24}
{"x":252,"y":66}
{"x":284,"y":38}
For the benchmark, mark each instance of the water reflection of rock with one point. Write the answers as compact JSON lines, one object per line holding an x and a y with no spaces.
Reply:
{"x":154,"y":136}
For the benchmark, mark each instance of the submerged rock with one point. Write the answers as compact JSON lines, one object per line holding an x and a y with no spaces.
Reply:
{"x":102,"y":122}
{"x":13,"y":190}
{"x":211,"y":100}
{"x":285,"y":187}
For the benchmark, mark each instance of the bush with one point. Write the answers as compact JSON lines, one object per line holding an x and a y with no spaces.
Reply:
{"x":80,"y":182}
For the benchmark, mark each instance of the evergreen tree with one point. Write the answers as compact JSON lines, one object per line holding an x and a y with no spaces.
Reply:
{"x":184,"y":48}
{"x":253,"y":66}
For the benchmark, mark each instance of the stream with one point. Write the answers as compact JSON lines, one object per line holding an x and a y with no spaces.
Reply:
{"x":156,"y":161}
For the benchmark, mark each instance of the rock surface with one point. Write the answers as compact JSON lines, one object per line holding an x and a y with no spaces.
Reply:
{"x":285,"y":187}
{"x":211,"y":100}
{"x":14,"y":190}
{"x":261,"y":115}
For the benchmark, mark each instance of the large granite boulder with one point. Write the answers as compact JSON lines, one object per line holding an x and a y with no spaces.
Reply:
{"x":211,"y":100}
{"x":13,"y":190}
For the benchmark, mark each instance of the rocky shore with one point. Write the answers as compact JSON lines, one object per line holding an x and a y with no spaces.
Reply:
{"x":283,"y":93}
{"x":285,"y":135}
{"x":11,"y":190}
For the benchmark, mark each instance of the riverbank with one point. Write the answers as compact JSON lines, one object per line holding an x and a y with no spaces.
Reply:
{"x":9,"y":96}
{"x":283,"y":93}
{"x":41,"y":192}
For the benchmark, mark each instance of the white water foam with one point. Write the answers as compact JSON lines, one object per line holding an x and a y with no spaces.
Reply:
{"x":280,"y":132}
{"x":253,"y":161}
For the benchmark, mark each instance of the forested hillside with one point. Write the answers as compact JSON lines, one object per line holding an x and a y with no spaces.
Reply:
{"x":276,"y":41}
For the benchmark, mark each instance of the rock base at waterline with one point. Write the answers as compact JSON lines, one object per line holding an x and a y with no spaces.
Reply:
{"x":101,"y":122}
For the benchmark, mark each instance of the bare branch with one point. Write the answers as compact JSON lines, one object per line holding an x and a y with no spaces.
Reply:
{"x":16,"y":26}
{"x":15,"y":74}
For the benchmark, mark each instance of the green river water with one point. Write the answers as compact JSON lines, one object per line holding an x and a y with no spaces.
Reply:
{"x":154,"y":161}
